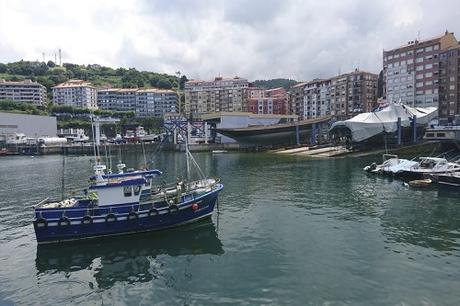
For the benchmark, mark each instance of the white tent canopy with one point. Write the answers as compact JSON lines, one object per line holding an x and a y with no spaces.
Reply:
{"x":366,"y":125}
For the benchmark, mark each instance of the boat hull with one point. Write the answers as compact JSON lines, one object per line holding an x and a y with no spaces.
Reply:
{"x":449,"y":180}
{"x":124,"y":223}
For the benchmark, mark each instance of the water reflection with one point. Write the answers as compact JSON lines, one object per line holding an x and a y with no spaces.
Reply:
{"x":128,"y":259}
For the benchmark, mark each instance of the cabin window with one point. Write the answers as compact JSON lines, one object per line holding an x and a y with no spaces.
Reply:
{"x":147,"y":182}
{"x":441,"y":134}
{"x":137,"y":189}
{"x":127,"y":191}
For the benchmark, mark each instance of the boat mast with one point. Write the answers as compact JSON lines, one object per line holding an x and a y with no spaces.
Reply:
{"x":187,"y":155}
{"x":63,"y":176}
{"x":96,"y":162}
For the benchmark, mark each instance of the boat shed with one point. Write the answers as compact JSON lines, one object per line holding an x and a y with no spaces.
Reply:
{"x":384,"y":120}
{"x":31,"y":125}
{"x":225,"y":120}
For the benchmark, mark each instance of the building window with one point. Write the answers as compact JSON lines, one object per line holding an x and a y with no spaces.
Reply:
{"x":428,"y":66}
{"x":419,"y":68}
{"x":419,"y":60}
{"x":419,"y":84}
{"x":436,"y":47}
{"x":428,"y":49}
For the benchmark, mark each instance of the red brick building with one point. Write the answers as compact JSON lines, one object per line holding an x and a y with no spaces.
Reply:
{"x":270,"y":101}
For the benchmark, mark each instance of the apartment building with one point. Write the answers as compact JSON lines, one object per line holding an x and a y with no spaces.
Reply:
{"x":117,"y":99}
{"x":295,"y":100}
{"x":411,"y":71}
{"x":449,"y":84}
{"x":23,"y":91}
{"x":270,"y":101}
{"x":151,"y":102}
{"x":156,"y":102}
{"x":219,"y":95}
{"x":75,"y":93}
{"x":343,"y":96}
{"x":316,"y":99}
{"x":353,"y":93}
{"x":255,"y":92}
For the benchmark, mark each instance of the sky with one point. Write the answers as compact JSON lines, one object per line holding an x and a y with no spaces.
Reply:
{"x":255,"y":39}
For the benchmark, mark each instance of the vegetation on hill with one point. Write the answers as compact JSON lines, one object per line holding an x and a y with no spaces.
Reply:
{"x":274,"y":83}
{"x":49,"y":74}
{"x":21,"y":108}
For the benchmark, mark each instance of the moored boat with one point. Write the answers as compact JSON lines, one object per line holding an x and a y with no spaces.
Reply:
{"x":428,"y":166}
{"x":392,"y":165}
{"x":451,"y":179}
{"x":126,"y":203}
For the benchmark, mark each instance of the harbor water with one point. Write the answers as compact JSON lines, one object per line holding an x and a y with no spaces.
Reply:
{"x":287,"y":231}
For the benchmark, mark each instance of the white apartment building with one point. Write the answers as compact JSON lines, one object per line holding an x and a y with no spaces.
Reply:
{"x":76,"y":93}
{"x":23,"y":91}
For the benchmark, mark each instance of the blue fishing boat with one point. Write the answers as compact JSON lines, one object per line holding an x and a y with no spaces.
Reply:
{"x":126,"y":203}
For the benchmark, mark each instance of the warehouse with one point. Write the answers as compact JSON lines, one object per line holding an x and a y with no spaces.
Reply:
{"x":31,"y":125}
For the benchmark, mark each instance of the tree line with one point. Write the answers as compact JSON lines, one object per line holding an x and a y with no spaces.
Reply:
{"x":49,"y":74}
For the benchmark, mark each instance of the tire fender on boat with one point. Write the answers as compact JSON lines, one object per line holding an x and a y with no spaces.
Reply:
{"x":87,"y":220}
{"x":41,"y":223}
{"x":153,"y":213}
{"x":132,"y":216}
{"x":64,"y":221}
{"x":173,"y":209}
{"x":111,"y":218}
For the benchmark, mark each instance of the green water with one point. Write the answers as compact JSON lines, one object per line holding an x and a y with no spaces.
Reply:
{"x":288,"y":231}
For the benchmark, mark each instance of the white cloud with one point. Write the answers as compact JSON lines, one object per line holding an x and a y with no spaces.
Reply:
{"x":254,"y":39}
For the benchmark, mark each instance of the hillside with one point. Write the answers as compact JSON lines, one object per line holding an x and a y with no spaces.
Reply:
{"x":50,"y":75}
{"x":274,"y":83}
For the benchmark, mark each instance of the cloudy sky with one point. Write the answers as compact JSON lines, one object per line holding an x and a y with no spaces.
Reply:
{"x":257,"y":39}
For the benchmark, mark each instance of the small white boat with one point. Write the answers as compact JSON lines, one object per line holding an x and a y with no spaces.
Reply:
{"x":219,"y":151}
{"x":391,"y":165}
{"x":428,"y":166}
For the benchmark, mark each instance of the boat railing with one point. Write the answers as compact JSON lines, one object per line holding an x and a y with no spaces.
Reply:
{"x":386,"y":157}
